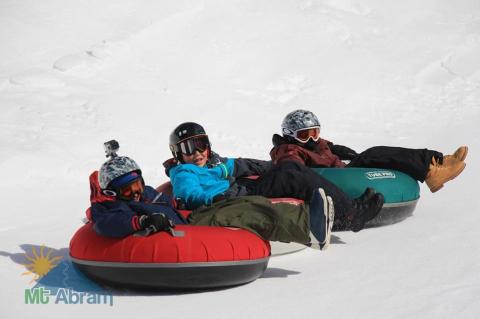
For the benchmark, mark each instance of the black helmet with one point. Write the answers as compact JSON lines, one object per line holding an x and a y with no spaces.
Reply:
{"x":186,"y":138}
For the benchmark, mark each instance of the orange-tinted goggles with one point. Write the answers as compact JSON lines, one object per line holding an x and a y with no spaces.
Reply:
{"x":132,"y":190}
{"x":304,"y":135}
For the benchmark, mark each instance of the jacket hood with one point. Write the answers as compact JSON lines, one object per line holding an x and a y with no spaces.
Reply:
{"x":278,"y":140}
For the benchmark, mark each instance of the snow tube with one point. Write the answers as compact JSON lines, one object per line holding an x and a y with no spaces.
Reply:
{"x":401,"y":192}
{"x":198,"y":257}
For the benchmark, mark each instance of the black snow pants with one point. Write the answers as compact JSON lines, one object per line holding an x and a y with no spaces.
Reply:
{"x":413,"y":162}
{"x":292,"y":179}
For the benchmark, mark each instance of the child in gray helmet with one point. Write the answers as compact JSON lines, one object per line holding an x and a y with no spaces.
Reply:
{"x":301,"y":142}
{"x":122,"y":204}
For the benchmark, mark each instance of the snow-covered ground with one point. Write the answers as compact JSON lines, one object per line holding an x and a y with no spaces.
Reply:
{"x":74,"y":74}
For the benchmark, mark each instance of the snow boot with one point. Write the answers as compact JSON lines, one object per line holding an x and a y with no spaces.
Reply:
{"x":365,"y":208}
{"x":459,"y":155}
{"x":322,"y":215}
{"x":439,"y":174}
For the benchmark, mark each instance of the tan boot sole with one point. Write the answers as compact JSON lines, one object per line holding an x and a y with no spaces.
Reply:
{"x":436,"y":189}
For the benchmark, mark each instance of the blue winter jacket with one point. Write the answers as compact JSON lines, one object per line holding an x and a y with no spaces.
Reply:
{"x":120,"y":218}
{"x":197,"y":186}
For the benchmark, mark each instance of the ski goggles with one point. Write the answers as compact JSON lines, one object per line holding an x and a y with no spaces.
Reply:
{"x":132,"y":190}
{"x":305,"y":134}
{"x":197,"y":143}
{"x":126,"y":187}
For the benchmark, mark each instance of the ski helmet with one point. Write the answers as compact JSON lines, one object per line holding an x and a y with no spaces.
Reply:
{"x":298,"y":120}
{"x":118,"y":170}
{"x":188,"y":132}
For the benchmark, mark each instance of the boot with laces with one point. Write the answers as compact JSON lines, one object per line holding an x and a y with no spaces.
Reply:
{"x":439,"y":174}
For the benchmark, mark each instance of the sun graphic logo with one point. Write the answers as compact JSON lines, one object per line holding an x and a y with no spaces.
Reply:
{"x":40,"y":264}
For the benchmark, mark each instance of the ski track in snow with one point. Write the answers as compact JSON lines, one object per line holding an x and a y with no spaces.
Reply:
{"x":73,"y":76}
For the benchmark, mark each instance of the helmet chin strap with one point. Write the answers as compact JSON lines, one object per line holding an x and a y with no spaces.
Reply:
{"x":179,"y":157}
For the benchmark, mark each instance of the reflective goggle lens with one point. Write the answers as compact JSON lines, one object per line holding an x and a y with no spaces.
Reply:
{"x":188,"y":147}
{"x":305,"y":134}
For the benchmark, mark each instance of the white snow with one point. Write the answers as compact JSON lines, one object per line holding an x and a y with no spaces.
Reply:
{"x":74,"y":74}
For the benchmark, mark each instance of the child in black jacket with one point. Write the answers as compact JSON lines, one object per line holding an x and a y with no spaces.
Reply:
{"x":121,"y":202}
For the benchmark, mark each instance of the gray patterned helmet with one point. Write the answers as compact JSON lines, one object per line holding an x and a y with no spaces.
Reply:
{"x":114,"y":168}
{"x":298,"y":120}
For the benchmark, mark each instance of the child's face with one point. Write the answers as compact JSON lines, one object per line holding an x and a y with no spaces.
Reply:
{"x":132,"y":191}
{"x":198,"y":158}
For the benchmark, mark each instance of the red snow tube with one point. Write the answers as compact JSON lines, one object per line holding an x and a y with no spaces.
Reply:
{"x":204,"y":257}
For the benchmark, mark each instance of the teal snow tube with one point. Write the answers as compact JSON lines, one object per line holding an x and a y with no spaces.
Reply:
{"x":401,"y":192}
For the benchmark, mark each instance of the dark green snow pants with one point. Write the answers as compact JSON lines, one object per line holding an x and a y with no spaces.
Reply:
{"x":275,"y":222}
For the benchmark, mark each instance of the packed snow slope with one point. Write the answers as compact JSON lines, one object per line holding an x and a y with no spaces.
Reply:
{"x":74,"y":74}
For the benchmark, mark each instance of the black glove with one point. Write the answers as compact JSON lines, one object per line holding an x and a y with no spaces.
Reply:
{"x":156,"y":222}
{"x":343,"y":152}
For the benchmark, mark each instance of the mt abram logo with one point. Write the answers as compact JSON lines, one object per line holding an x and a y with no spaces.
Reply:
{"x":380,"y":175}
{"x":57,"y":282}
{"x":66,"y":296}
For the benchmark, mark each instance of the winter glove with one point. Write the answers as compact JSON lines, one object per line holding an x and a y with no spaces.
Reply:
{"x":343,"y":152}
{"x":156,"y":222}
